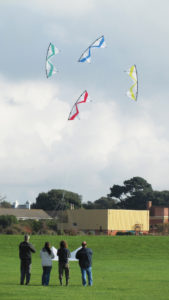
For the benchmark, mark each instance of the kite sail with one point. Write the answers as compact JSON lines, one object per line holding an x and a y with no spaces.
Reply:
{"x":133,"y":91}
{"x":75,"y":111}
{"x":72,"y":254}
{"x":86,"y":55}
{"x":50,"y":68}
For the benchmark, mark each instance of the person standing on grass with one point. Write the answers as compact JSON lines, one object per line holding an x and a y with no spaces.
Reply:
{"x":63,"y":254}
{"x":46,"y":255}
{"x":25,"y":251}
{"x":84,"y":255}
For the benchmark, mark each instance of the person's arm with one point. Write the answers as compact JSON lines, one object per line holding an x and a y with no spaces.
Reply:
{"x":20,"y":251}
{"x":91,"y":252}
{"x":69,"y":254}
{"x":32,"y":248}
{"x":77,"y":254}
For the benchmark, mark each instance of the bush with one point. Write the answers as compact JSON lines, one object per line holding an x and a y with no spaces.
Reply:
{"x":81,"y":233}
{"x":60,"y":232}
{"x":72,"y":232}
{"x":7,"y":220}
{"x":52,"y":224}
{"x":163,"y":228}
{"x":91,"y":232}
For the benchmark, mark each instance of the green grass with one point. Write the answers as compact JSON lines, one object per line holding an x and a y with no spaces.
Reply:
{"x":124,"y":267}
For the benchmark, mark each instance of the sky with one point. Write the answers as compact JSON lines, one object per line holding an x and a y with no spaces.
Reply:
{"x":116,"y":138}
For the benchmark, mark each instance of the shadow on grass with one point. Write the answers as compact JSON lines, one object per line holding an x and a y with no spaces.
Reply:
{"x":36,"y":284}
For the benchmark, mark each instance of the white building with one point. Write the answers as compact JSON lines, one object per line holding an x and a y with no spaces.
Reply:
{"x":27,"y":205}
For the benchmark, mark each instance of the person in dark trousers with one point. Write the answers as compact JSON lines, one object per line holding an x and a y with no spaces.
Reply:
{"x":25,"y":251}
{"x":63,"y":254}
{"x":84,"y":255}
{"x":46,"y":255}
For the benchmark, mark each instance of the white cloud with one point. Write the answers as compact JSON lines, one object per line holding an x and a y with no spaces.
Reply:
{"x":59,"y":8}
{"x":40,"y":149}
{"x":115,"y":139}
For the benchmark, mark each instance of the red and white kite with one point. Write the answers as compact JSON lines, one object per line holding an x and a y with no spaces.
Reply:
{"x":75,"y":111}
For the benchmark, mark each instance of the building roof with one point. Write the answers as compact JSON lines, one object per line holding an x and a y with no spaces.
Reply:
{"x":25,"y":213}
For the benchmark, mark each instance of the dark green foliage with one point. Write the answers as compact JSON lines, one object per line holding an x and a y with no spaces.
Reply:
{"x":57,"y":200}
{"x":37,"y":225}
{"x":52,"y":224}
{"x":102,"y":203}
{"x":134,"y":194}
{"x":7,"y":220}
{"x":5,"y":204}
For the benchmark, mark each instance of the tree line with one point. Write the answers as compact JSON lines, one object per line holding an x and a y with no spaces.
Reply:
{"x":133,"y":194}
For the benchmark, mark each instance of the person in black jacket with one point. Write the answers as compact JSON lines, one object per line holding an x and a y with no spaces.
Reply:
{"x":25,"y":251}
{"x":84,"y":255}
{"x":63,"y":254}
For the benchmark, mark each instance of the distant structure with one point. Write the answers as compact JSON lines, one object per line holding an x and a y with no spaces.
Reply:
{"x":27,"y":205}
{"x":104,"y":221}
{"x":25,"y":214}
{"x":158,"y":215}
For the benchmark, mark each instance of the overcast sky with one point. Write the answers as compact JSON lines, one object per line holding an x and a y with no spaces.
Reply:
{"x":116,"y":138}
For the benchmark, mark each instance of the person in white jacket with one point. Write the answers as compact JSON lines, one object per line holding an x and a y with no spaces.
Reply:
{"x":46,"y":255}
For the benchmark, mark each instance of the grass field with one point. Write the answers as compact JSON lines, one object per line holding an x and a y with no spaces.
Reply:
{"x":124,"y":267}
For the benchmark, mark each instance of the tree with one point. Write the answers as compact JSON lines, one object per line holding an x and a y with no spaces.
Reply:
{"x":5,"y":204}
{"x":101,"y":203}
{"x":2,"y":198}
{"x":160,"y":198}
{"x":7,"y":220}
{"x":88,"y":205}
{"x":57,"y":200}
{"x":133,"y":194}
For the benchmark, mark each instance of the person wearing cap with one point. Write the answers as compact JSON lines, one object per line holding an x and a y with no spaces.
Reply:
{"x":84,"y":255}
{"x":25,"y":251}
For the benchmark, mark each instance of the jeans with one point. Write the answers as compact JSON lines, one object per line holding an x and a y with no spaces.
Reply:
{"x":25,"y":271}
{"x":46,"y":275}
{"x":89,"y":275}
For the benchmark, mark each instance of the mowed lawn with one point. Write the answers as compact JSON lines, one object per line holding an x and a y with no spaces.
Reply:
{"x":124,"y":267}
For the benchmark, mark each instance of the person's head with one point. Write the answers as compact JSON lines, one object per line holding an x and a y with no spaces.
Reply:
{"x":47,"y":245}
{"x":84,"y":244}
{"x":63,"y":244}
{"x":26,"y":238}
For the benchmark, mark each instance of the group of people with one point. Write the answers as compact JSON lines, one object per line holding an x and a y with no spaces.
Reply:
{"x":84,"y":255}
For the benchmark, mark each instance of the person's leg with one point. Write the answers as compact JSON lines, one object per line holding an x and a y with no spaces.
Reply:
{"x":48,"y":270}
{"x":83,"y":271}
{"x":28,"y":272}
{"x":67,"y":274}
{"x":43,"y":276}
{"x":89,"y":275}
{"x":23,"y":272}
{"x":60,"y":272}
